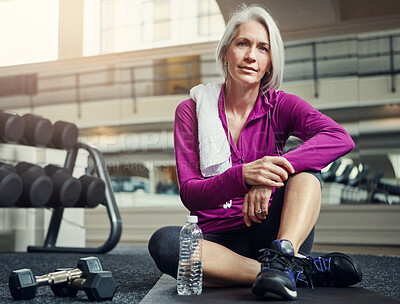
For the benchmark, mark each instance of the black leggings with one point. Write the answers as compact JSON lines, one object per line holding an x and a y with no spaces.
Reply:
{"x":164,"y":243}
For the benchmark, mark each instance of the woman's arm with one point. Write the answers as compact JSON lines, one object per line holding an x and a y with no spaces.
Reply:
{"x":324,"y":139}
{"x":197,"y":192}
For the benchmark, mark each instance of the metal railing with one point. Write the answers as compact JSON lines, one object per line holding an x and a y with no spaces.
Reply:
{"x":347,"y":57}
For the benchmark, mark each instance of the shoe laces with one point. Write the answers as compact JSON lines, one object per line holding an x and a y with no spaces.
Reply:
{"x":315,"y":269}
{"x":275,"y":259}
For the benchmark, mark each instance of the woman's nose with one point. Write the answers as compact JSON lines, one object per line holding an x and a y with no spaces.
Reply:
{"x":250,"y":55}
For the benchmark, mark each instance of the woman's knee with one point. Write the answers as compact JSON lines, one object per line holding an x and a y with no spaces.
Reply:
{"x":162,"y":239}
{"x":305,"y":185}
{"x":164,"y":249}
{"x":310,"y":177}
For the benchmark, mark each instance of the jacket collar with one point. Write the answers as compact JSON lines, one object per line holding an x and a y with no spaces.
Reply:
{"x":261,"y":108}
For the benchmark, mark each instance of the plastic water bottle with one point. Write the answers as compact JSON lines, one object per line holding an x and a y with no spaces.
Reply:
{"x":190,"y":272}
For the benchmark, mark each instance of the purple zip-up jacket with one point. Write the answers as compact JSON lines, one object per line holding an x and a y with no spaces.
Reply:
{"x":273,"y":119}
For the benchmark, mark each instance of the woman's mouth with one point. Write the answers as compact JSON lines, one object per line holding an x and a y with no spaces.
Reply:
{"x":248,"y":68}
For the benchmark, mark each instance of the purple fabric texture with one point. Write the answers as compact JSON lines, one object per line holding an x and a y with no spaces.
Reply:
{"x":274,"y":118}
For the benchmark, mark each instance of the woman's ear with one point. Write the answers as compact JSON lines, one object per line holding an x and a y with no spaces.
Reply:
{"x":225,"y":56}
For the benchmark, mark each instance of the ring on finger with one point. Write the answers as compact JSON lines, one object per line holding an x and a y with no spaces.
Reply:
{"x":258,"y":211}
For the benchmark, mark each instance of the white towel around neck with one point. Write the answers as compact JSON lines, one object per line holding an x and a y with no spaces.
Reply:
{"x":213,"y":144}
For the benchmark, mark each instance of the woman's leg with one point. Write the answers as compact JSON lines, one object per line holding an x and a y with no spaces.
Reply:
{"x":221,"y":265}
{"x":280,"y":275}
{"x":271,"y":229}
{"x":301,"y":207}
{"x":164,"y":249}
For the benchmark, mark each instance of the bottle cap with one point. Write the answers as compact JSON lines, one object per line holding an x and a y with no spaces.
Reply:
{"x":191,"y":219}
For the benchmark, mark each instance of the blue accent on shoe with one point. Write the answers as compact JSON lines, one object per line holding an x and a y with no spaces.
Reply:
{"x":322,"y":264}
{"x":333,"y":269}
{"x":278,"y":275}
{"x":290,"y":274}
{"x":299,"y":279}
{"x":284,"y":246}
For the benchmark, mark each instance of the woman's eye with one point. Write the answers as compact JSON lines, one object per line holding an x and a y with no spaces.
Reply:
{"x":241,"y":43}
{"x":263,"y":49}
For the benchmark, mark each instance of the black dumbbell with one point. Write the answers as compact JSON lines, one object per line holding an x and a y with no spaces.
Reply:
{"x":360,"y":178}
{"x":64,"y":289}
{"x":344,"y":177}
{"x":330,"y":175}
{"x":99,"y":286}
{"x":12,"y":127}
{"x":38,"y":130}
{"x":23,"y":284}
{"x":66,"y":189}
{"x":37,"y":186}
{"x":10,"y":185}
{"x":85,"y":266}
{"x":389,"y":188}
{"x":375,"y":179}
{"x":65,"y":135}
{"x":93,"y":191}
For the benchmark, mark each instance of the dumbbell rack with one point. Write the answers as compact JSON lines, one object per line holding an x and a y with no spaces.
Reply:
{"x":110,"y":204}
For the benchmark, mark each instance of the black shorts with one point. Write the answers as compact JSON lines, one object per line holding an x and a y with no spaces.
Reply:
{"x":249,"y":241}
{"x":164,"y":243}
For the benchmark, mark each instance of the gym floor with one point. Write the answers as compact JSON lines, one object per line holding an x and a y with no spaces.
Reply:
{"x":137,"y":274}
{"x":353,"y":249}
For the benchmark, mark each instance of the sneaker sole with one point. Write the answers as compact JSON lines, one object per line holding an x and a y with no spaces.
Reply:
{"x":272,"y":289}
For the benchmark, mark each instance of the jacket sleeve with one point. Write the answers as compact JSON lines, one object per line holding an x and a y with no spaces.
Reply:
{"x":196,"y":192}
{"x":324,"y":139}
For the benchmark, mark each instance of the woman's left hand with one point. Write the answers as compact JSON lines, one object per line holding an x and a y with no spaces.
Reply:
{"x":255,"y":200}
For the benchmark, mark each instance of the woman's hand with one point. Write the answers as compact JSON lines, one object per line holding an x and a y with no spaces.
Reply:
{"x":269,"y":171}
{"x":256,"y":199}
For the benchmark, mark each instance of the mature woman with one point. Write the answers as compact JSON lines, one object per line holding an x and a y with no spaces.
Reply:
{"x":247,"y":194}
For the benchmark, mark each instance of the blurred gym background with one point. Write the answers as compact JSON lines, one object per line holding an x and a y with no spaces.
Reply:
{"x":118,"y":69}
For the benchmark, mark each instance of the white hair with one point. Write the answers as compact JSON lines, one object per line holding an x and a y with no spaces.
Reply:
{"x":245,"y":14}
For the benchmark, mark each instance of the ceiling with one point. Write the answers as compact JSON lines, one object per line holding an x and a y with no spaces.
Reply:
{"x":301,"y":19}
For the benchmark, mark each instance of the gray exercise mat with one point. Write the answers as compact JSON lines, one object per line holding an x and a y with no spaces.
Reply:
{"x":165,"y":292}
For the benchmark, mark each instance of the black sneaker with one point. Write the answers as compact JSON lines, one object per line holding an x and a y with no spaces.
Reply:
{"x":279,"y":271}
{"x":334,"y":269}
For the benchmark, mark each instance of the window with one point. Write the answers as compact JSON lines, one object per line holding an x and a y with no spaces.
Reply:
{"x":28,"y":31}
{"x":129,"y":177}
{"x":156,"y":20}
{"x":148,"y":21}
{"x":161,"y":20}
{"x":112,"y":26}
{"x":167,"y":181}
{"x":210,"y":21}
{"x":107,"y":26}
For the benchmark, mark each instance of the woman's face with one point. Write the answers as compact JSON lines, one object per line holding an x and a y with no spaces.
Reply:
{"x":248,"y":56}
